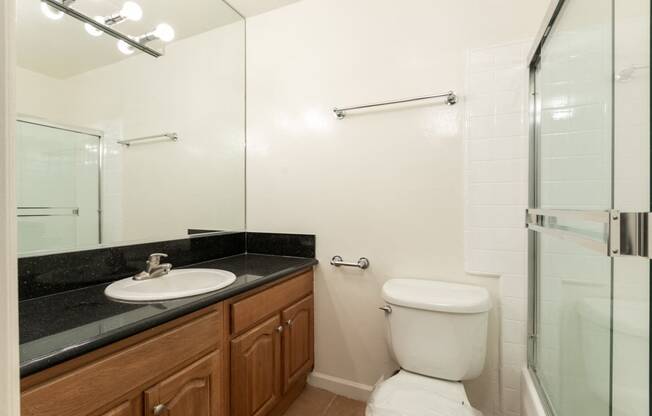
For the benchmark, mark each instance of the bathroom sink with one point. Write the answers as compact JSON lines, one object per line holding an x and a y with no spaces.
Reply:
{"x":176,"y":284}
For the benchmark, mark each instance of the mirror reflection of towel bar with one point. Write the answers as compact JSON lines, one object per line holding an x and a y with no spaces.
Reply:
{"x":74,"y":212}
{"x":362,"y":263}
{"x":171,"y":136}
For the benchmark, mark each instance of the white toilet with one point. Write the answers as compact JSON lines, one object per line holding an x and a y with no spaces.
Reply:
{"x":438,"y":335}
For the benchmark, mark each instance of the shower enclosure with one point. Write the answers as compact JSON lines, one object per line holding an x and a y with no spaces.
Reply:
{"x":58,"y":186}
{"x":589,"y":236}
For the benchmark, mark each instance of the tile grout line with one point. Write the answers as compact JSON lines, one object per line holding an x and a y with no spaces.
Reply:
{"x":329,"y":405}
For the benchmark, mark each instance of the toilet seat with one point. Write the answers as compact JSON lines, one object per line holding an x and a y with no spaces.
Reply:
{"x":409,"y":394}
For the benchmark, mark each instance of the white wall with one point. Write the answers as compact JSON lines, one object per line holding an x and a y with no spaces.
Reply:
{"x":159,"y":190}
{"x":385,"y":184}
{"x":40,"y":95}
{"x":9,"y":373}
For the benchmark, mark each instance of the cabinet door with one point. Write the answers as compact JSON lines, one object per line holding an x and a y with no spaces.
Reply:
{"x":256,"y":369}
{"x":127,"y":408}
{"x":193,"y":391}
{"x":298,"y":344}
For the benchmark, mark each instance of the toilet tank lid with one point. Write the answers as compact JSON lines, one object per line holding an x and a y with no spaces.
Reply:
{"x":432,"y":295}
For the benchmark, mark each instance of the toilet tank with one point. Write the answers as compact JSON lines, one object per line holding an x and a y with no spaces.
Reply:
{"x":437,"y":329}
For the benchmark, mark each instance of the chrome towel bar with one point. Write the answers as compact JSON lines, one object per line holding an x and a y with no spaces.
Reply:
{"x":451,"y":99}
{"x":74,"y":212}
{"x":171,"y":136}
{"x":362,"y":263}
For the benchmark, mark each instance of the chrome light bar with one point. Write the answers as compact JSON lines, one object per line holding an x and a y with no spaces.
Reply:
{"x":106,"y":29}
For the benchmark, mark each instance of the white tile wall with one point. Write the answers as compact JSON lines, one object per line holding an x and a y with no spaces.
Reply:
{"x":496,"y":195}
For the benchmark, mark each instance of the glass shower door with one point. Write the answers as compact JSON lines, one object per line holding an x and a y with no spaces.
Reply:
{"x":58,"y":188}
{"x":589,"y":199}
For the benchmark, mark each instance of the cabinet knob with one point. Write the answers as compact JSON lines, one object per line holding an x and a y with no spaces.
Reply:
{"x":279,"y":329}
{"x":159,"y":409}
{"x":289,"y":322}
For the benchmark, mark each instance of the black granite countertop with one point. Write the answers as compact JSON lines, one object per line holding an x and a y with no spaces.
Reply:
{"x":65,"y":325}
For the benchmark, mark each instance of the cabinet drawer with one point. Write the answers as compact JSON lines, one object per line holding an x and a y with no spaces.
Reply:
{"x":246,"y":312}
{"x":86,"y":389}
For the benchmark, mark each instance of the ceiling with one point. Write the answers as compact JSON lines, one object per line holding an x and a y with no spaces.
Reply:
{"x":61,"y":48}
{"x":250,"y":8}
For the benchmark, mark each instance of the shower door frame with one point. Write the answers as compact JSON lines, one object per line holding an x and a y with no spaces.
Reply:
{"x":533,"y":61}
{"x":37,"y":121}
{"x":628,"y":234}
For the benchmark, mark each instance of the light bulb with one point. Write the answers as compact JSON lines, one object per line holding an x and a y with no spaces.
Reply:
{"x":132,"y":11}
{"x":164,"y":32}
{"x":51,"y":12}
{"x":125,"y":48}
{"x":92,"y":30}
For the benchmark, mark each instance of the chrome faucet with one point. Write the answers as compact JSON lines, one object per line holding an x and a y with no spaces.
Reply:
{"x":154,"y":267}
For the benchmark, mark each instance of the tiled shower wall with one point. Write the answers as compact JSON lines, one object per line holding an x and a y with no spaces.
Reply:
{"x":496,"y":174}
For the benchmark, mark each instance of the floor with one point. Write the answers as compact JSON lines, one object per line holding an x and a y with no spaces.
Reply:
{"x":317,"y":402}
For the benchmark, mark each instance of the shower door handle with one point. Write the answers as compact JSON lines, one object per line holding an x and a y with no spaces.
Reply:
{"x":626,"y":233}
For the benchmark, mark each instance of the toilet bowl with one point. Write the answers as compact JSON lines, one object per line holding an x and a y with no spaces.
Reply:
{"x":438,"y":334}
{"x":408,"y":394}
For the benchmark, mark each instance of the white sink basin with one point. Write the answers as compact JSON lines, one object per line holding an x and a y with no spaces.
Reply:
{"x":174,"y":285}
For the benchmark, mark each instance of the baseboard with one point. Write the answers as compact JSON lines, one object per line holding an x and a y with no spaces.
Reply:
{"x":346,"y":388}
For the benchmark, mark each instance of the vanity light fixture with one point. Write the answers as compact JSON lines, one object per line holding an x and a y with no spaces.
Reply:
{"x":52,"y":13}
{"x":130,"y":11}
{"x":163,"y":32}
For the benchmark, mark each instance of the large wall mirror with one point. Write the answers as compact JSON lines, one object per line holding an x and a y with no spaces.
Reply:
{"x":117,"y":146}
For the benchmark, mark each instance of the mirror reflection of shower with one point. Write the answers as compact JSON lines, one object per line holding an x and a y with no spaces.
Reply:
{"x":58,"y":187}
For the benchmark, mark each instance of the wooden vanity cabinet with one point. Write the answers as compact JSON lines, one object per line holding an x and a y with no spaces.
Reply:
{"x":127,"y":408}
{"x":272,"y":347}
{"x":255,"y":369}
{"x":193,"y":391}
{"x":177,"y":364}
{"x":298,"y":345}
{"x":247,"y":356}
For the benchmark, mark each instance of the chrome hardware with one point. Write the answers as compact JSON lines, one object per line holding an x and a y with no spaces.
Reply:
{"x":386,"y":309}
{"x":279,"y":329}
{"x":545,"y":222}
{"x":74,"y":212}
{"x":65,"y":8}
{"x":170,"y":136}
{"x":451,"y":99}
{"x":614,"y":233}
{"x":363,"y":262}
{"x":628,"y":233}
{"x":289,"y":322}
{"x":634,"y":234}
{"x":154,"y":267}
{"x":159,"y":409}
